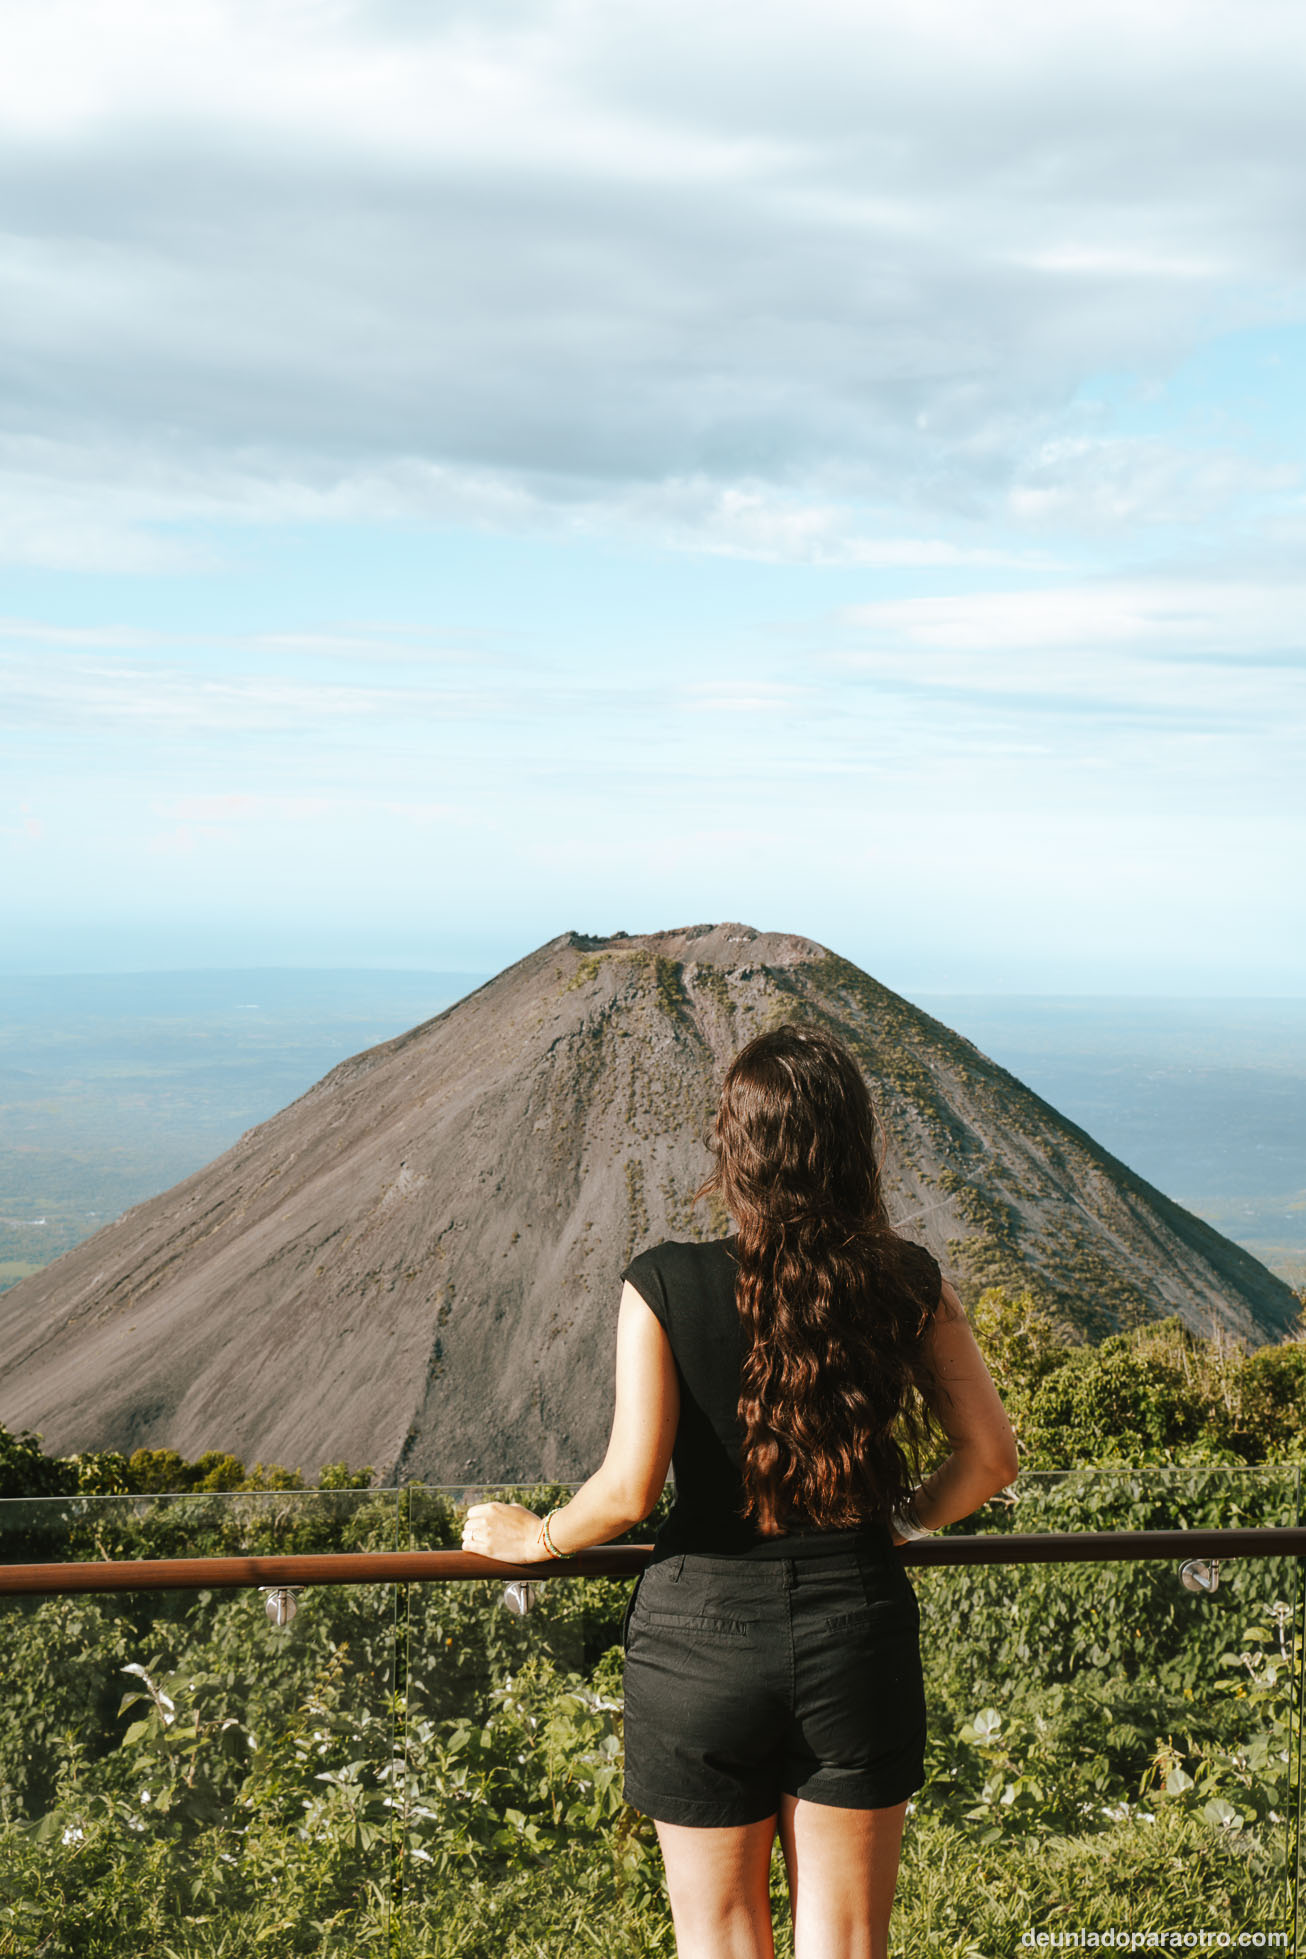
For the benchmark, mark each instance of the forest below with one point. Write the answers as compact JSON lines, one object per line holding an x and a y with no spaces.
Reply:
{"x":416,"y":1770}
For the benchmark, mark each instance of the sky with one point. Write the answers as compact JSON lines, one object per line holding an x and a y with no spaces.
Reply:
{"x":474,"y":472}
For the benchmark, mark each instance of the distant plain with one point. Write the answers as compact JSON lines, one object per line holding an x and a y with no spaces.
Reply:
{"x":115,"y":1086}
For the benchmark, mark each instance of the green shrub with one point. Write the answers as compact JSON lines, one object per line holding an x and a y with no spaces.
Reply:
{"x":414,"y":1771}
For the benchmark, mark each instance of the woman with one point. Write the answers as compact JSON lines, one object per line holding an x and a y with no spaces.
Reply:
{"x":788,"y":1373}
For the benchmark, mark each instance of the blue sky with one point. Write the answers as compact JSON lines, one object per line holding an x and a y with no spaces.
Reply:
{"x":474,"y":472}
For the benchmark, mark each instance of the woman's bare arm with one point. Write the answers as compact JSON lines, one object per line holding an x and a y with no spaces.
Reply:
{"x":628,"y":1483}
{"x":970,"y":1412}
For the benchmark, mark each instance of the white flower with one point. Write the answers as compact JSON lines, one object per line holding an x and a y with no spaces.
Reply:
{"x":145,"y":1795}
{"x":73,"y":1834}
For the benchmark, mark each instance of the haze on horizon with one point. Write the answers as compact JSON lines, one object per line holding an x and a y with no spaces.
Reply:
{"x":545,"y":466}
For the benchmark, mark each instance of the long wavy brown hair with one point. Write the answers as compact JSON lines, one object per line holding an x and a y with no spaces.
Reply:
{"x":834,"y":1390}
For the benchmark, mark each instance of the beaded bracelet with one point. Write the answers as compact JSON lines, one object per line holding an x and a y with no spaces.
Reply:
{"x":546,"y":1537}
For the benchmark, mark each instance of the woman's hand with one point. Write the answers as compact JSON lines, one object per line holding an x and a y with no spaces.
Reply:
{"x":508,"y":1532}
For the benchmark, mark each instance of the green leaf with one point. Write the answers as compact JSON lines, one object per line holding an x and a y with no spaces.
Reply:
{"x":1223,"y":1814}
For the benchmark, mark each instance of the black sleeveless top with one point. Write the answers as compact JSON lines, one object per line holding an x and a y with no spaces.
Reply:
{"x":691,"y":1291}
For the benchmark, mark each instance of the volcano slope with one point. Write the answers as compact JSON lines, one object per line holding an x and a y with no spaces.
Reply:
{"x":415,"y":1265}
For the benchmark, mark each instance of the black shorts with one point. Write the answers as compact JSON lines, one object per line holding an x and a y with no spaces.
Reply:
{"x":747,"y":1679}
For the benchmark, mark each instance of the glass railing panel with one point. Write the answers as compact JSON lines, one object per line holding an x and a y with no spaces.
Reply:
{"x":516,"y":1838}
{"x":179,"y":1775}
{"x":1111,"y":1753}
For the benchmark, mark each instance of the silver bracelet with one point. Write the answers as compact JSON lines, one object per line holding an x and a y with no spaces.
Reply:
{"x":908,"y":1529}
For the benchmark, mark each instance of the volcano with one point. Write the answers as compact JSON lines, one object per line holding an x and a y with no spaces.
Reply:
{"x":415,"y":1265}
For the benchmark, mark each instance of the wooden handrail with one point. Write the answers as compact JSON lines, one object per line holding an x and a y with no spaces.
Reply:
{"x":313,"y":1568}
{"x":621,"y":1561}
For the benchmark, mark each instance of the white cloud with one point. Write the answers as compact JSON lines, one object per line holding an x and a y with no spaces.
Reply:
{"x":756,"y":695}
{"x":366,"y":643}
{"x":238,"y":808}
{"x":82,"y":508}
{"x":754,"y":519}
{"x":1223,"y":654}
{"x":365,"y":260}
{"x":134,"y":697}
{"x":1233,"y":621}
{"x":1113,"y":483}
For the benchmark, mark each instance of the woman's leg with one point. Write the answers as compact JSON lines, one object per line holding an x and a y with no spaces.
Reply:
{"x":719,"y":1883}
{"x":843,"y":1869}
